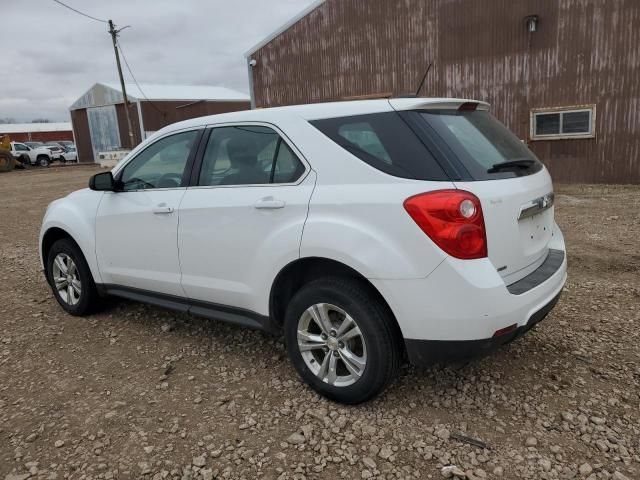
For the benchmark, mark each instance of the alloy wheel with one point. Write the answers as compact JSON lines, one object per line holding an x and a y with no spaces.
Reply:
{"x":332,"y":345}
{"x":66,"y":279}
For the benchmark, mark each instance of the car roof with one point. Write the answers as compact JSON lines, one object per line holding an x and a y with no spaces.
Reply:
{"x":317,"y":111}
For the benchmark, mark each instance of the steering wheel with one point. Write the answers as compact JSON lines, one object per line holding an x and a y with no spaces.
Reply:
{"x":175,"y":178}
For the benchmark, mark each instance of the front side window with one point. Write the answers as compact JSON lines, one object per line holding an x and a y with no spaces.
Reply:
{"x":561,"y":123}
{"x":248,"y":155}
{"x":20,"y":148}
{"x":161,"y":165}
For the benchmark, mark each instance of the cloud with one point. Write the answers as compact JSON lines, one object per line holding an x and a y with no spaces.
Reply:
{"x":56,"y":54}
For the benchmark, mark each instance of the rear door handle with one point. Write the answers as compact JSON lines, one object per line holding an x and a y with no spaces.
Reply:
{"x":269,"y":203}
{"x":162,"y":209}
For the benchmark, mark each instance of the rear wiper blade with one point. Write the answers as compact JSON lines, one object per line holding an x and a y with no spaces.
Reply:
{"x":520,"y":163}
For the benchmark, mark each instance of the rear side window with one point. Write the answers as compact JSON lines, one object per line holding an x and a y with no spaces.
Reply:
{"x":478,"y":143}
{"x":385,"y":142}
{"x":286,"y":168}
{"x":248,"y":155}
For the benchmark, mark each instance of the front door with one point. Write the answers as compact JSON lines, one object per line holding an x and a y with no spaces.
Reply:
{"x":244,"y":218}
{"x":137,"y":227}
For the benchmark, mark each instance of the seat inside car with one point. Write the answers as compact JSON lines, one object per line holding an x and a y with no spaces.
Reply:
{"x":243,"y":159}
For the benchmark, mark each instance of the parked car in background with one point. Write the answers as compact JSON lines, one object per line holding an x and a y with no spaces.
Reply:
{"x":70,"y":155}
{"x":34,"y":144}
{"x":365,"y":232}
{"x":57,"y":152}
{"x":61,"y":143}
{"x":40,"y":155}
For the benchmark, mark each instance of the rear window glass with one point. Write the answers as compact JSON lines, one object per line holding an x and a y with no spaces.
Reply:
{"x":385,"y":142}
{"x":481,"y":144}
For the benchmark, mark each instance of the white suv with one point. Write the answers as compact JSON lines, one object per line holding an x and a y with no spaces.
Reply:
{"x":366,"y":232}
{"x":34,"y":156}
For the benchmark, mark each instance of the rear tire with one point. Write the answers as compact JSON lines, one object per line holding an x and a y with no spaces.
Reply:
{"x":363,"y":363}
{"x":70,"y":278}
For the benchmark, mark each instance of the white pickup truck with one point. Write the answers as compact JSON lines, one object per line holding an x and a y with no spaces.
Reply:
{"x":34,"y":156}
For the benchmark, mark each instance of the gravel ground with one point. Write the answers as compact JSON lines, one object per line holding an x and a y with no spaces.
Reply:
{"x":140,"y":392}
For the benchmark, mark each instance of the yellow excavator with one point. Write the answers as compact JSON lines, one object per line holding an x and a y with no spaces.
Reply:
{"x":7,"y":162}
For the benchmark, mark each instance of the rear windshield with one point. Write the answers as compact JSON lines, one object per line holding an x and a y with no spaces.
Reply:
{"x":480,"y":144}
{"x":384,"y":141}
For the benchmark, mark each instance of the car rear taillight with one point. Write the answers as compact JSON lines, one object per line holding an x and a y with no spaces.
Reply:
{"x":452,"y":219}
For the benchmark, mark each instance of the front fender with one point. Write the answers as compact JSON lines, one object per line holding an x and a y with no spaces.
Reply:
{"x":75,"y":214}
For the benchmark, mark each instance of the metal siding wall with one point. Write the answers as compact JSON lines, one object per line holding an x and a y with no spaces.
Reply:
{"x":41,"y":136}
{"x":122,"y":124}
{"x":83,"y":136}
{"x":166,"y":112}
{"x":584,"y":52}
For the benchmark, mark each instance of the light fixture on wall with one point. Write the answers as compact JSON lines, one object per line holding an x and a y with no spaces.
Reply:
{"x":532,"y":23}
{"x":253,"y":62}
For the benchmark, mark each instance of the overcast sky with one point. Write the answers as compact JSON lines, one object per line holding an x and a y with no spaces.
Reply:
{"x":51,"y":55}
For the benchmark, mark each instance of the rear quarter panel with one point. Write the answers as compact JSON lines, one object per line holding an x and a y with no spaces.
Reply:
{"x":367,"y":228}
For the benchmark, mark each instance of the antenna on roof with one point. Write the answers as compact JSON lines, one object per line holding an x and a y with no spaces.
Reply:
{"x":423,"y":79}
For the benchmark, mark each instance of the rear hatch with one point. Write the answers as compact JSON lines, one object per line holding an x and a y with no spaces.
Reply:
{"x":483,"y":157}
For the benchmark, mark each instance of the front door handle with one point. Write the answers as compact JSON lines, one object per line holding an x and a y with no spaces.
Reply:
{"x":162,"y":209}
{"x":269,"y":203}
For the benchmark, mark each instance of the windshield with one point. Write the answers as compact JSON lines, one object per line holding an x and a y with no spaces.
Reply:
{"x":484,"y":146}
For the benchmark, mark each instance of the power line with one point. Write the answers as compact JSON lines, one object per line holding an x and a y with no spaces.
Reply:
{"x":124,"y":57}
{"x":114,"y":35}
{"x":81,"y":13}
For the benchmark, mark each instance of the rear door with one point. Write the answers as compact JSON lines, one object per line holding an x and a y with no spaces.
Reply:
{"x":515,"y":190}
{"x":243,"y":218}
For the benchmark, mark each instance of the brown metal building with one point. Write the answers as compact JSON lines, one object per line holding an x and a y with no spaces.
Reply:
{"x":99,"y":120}
{"x":37,"y":132}
{"x":563,"y":74}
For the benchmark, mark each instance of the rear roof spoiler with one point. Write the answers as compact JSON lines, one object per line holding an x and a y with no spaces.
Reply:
{"x":440,"y":103}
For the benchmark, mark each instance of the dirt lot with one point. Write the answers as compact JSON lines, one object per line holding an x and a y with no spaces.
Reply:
{"x":140,"y":392}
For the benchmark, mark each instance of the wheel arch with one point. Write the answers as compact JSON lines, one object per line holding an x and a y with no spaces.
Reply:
{"x":55,"y":232}
{"x":301,"y":271}
{"x":51,"y":236}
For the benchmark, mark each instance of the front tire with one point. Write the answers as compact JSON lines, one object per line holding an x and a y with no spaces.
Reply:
{"x":341,"y":339}
{"x":43,"y":161}
{"x":70,"y":278}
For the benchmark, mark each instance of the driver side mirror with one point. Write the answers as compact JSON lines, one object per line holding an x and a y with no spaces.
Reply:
{"x":102,"y":182}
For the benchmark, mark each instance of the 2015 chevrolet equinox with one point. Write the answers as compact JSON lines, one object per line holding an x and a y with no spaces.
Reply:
{"x":365,"y":231}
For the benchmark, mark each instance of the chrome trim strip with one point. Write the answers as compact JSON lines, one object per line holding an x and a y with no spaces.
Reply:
{"x":536,"y":206}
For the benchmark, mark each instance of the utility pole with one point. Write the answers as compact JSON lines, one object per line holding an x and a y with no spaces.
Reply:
{"x":114,"y":36}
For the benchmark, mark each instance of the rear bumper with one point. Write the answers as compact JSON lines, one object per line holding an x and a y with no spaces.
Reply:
{"x":424,"y":353}
{"x":456,"y":311}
